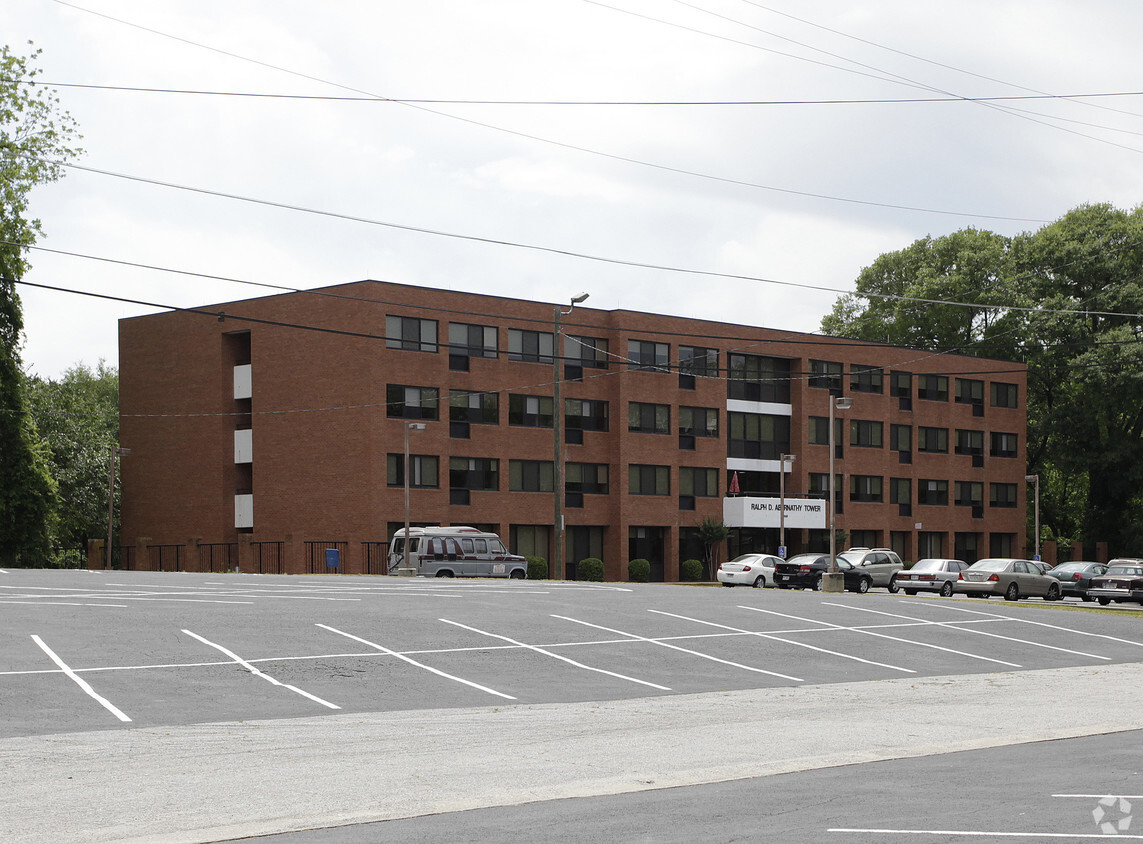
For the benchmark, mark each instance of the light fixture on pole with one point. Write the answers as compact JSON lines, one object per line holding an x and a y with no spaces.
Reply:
{"x":833,"y":580}
{"x":1035,"y":479}
{"x":406,"y":570}
{"x":557,"y":568}
{"x":784,"y":459}
{"x":111,"y":500}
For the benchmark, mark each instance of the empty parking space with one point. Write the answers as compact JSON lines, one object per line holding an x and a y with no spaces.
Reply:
{"x":115,"y":650}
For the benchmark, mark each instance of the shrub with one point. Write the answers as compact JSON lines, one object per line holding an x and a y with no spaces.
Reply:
{"x":537,"y":568}
{"x":590,"y":569}
{"x":690,"y":571}
{"x":639,"y":571}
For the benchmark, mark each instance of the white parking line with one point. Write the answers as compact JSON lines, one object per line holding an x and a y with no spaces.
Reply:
{"x":404,"y":658}
{"x":1052,"y":626}
{"x":971,"y":833}
{"x":787,"y":641}
{"x":920,"y":644}
{"x":60,"y":604}
{"x":1021,"y":641}
{"x":682,"y":650}
{"x":83,"y":684}
{"x":259,"y":673}
{"x":556,"y":656}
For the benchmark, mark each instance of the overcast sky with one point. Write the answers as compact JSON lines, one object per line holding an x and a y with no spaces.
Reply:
{"x":797,"y":191}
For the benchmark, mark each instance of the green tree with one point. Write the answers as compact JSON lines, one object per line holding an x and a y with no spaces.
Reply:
{"x":77,"y":417}
{"x":712,"y":533}
{"x":1062,"y":300}
{"x":34,"y":136}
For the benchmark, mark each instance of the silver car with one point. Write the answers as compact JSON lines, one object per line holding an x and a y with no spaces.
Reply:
{"x":1014,"y":579}
{"x":881,"y":564}
{"x":755,"y":570}
{"x":931,"y":575}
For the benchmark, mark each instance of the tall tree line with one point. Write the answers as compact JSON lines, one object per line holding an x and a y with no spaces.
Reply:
{"x":1066,"y":300}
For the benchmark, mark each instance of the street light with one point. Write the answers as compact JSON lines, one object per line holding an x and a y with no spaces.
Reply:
{"x":406,"y":570}
{"x":1035,"y":479}
{"x":833,"y":580}
{"x":111,"y":498}
{"x":557,"y":569}
{"x":784,"y":459}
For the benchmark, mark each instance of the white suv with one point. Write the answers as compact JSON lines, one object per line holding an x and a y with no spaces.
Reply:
{"x":881,"y":564}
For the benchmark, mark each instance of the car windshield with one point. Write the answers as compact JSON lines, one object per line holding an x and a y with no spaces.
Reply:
{"x":805,"y":559}
{"x":744,"y":558}
{"x":1125,"y":570}
{"x":991,"y":565}
{"x":852,"y":556}
{"x":929,"y":565}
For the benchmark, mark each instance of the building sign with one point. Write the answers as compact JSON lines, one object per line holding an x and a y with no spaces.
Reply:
{"x":746,"y":512}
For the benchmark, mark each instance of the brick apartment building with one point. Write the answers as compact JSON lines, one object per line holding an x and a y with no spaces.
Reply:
{"x":264,"y":432}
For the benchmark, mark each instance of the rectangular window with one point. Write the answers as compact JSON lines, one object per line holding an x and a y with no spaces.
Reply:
{"x":901,"y":385}
{"x":649,"y":480}
{"x":1002,"y":495}
{"x":933,"y":440}
{"x":586,"y":478}
{"x":825,"y":374}
{"x":932,"y":492}
{"x":530,"y":346}
{"x":1001,"y":544}
{"x":866,"y":379}
{"x":933,"y":387}
{"x":479,"y":473}
{"x":1003,"y":395}
{"x":585,"y":415}
{"x":865,"y":488}
{"x":474,"y":341}
{"x":969,"y":494}
{"x":1003,"y":445}
{"x":758,"y":378}
{"x":901,"y":437}
{"x":531,"y":475}
{"x":698,"y":361}
{"x":424,"y":471}
{"x":698,"y":421}
{"x":474,"y":408}
{"x":819,"y":430}
{"x":648,"y":355}
{"x":865,"y":433}
{"x":969,"y":442}
{"x":411,"y":402}
{"x":701,"y":483}
{"x":758,"y":436}
{"x":969,"y":391}
{"x":648,"y":418}
{"x":900,"y":490}
{"x":587,"y":352}
{"x":410,"y":333}
{"x":530,"y":411}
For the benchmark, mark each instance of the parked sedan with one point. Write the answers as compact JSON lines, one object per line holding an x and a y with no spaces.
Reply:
{"x":1122,"y":582}
{"x":1075,"y":578}
{"x":1011,"y":578}
{"x":805,"y":572}
{"x":755,"y":570}
{"x":935,"y":575}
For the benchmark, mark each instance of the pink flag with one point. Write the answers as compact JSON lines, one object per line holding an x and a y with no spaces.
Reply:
{"x":734,"y":490}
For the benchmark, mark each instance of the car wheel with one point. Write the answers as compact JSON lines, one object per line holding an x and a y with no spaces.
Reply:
{"x":1053,"y":592}
{"x":818,"y":584}
{"x":947,"y":589}
{"x":893,"y":587}
{"x":759,"y":582}
{"x":517,"y":574}
{"x":863,"y":585}
{"x":1012,"y":593}
{"x":1103,"y":602}
{"x":910,"y":591}
{"x":445,"y":573}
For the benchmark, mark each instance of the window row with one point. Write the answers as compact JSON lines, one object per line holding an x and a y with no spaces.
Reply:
{"x":829,"y":375}
{"x":865,"y":433}
{"x":929,"y":491}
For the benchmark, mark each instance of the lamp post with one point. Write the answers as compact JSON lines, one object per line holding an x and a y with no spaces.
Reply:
{"x":833,"y":580}
{"x":1035,"y":479}
{"x":406,"y":570}
{"x":557,"y":569}
{"x":111,"y":498}
{"x":784,"y":459}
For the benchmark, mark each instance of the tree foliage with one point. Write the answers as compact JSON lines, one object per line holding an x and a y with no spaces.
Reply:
{"x":1066,"y":301}
{"x":35,"y":135}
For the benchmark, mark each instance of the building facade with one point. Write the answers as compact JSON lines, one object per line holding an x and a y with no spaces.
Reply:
{"x":267,"y":432}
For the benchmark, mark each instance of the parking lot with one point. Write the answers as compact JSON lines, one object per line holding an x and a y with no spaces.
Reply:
{"x":196,"y":707}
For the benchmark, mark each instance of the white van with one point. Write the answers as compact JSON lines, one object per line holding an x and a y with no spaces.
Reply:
{"x":455,"y":551}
